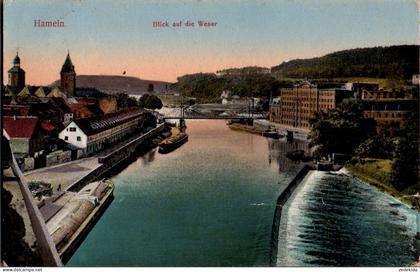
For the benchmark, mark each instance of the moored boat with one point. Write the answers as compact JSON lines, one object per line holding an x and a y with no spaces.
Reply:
{"x":174,"y":141}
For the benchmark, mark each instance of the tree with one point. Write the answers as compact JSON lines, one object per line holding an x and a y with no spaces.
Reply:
{"x":122,"y":100}
{"x":150,"y":101}
{"x":341,"y":130}
{"x":406,"y":157}
{"x":150,"y":87}
{"x":380,"y":147}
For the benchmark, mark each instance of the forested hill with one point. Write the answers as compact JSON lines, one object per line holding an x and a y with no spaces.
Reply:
{"x":397,"y":62}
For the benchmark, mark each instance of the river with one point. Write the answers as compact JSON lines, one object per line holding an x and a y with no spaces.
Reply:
{"x":211,"y":203}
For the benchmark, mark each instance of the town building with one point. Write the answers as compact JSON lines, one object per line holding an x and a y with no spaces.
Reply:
{"x":380,"y":94}
{"x":298,"y":105}
{"x":274,"y":113}
{"x":390,"y":109}
{"x":68,"y":77}
{"x":16,"y":75}
{"x":415,"y":79}
{"x":91,"y":135}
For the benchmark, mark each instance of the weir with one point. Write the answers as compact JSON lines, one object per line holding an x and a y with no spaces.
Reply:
{"x":281,"y":200}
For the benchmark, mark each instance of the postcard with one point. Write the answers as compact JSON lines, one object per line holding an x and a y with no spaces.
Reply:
{"x":210,"y":133}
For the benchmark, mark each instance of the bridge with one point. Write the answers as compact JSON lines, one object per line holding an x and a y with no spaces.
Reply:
{"x":214,"y":117}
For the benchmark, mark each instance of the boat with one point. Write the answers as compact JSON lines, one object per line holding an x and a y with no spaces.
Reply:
{"x":174,"y":141}
{"x":271,"y":133}
{"x":247,"y":128}
{"x":295,"y":155}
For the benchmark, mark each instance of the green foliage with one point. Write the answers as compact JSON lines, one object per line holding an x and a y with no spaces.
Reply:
{"x":209,"y":87}
{"x":395,"y":62}
{"x":341,"y":130}
{"x":122,"y":100}
{"x":150,"y":101}
{"x":379,"y":146}
{"x":405,"y":165}
{"x":131,"y":102}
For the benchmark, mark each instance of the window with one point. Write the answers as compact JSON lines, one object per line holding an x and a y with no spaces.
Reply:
{"x":72,"y":129}
{"x":79,"y":138}
{"x":66,"y":138}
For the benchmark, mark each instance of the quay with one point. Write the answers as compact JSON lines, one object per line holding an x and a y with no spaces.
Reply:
{"x":70,"y":214}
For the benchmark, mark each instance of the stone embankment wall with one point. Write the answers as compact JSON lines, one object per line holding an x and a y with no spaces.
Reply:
{"x":281,"y":200}
{"x":115,"y":158}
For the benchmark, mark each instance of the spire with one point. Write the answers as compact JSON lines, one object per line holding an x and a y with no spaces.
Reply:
{"x":68,"y":66}
{"x":16,"y":60}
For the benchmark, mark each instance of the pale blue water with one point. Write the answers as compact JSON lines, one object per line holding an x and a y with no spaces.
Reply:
{"x":209,"y":203}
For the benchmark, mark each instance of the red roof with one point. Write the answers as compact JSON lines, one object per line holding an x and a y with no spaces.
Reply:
{"x":47,"y":126}
{"x":20,"y":126}
{"x":76,"y":107}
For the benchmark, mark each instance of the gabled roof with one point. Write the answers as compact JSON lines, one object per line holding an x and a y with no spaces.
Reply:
{"x":95,"y":125}
{"x":56,"y":92}
{"x":60,"y":103}
{"x":28,"y":91}
{"x":20,"y":126}
{"x":42,"y":91}
{"x":47,"y":126}
{"x":19,"y":110}
{"x":76,"y":107}
{"x":7,"y":91}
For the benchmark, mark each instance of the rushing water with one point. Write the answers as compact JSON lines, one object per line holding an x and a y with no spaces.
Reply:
{"x":335,"y":220}
{"x":211,"y":203}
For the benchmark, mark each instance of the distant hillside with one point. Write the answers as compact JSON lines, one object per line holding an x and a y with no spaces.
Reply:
{"x":115,"y":84}
{"x":248,"y":70}
{"x":396,"y":62}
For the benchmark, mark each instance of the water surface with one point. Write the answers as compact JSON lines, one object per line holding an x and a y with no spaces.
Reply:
{"x":211,"y":203}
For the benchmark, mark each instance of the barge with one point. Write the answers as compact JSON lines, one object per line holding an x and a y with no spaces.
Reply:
{"x":174,"y":141}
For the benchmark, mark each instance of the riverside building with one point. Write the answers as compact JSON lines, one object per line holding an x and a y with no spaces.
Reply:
{"x":91,"y":135}
{"x":299,"y":104}
{"x":390,"y":109}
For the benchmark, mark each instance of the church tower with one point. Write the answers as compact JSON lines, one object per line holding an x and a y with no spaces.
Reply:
{"x":16,"y":75}
{"x":68,"y":77}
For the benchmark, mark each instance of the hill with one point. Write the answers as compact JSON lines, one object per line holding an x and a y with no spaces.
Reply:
{"x":393,"y":62}
{"x":115,"y":84}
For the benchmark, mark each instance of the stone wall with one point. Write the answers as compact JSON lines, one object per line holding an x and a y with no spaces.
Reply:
{"x":19,"y":146}
{"x":28,"y":164}
{"x":58,"y":157}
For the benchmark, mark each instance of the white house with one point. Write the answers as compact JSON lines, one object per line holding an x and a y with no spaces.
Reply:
{"x":93,"y":134}
{"x":416,"y":80}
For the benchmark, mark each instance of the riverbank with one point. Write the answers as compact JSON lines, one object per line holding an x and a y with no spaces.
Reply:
{"x":104,"y":200}
{"x":71,"y":213}
{"x":377,"y":173}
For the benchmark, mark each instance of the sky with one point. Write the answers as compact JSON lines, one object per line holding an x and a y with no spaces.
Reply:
{"x":107,"y":37}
